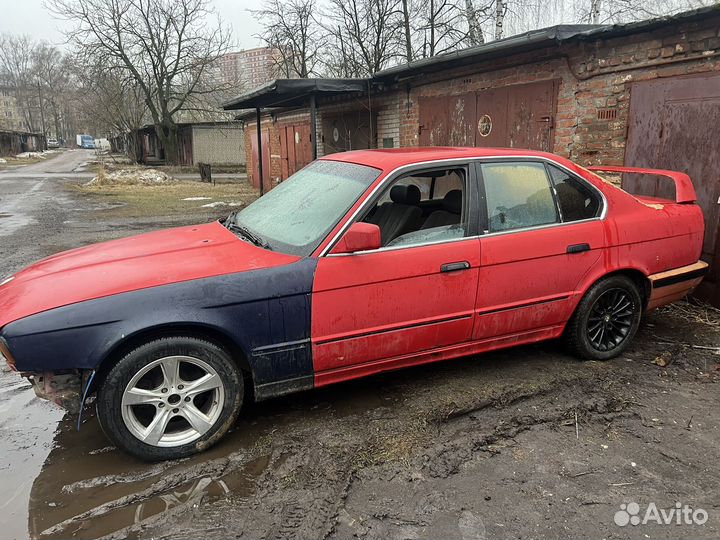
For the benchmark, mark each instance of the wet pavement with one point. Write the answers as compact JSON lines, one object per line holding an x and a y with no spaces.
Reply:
{"x":526,"y":442}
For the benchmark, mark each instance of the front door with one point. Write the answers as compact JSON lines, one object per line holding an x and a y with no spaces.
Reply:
{"x":376,"y":310}
{"x":543,"y":235}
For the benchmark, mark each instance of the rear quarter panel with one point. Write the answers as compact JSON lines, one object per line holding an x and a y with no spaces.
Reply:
{"x":647,"y":236}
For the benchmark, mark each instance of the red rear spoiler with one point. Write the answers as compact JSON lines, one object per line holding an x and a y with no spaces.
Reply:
{"x":684,"y":190}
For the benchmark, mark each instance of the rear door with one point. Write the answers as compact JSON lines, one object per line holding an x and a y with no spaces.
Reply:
{"x":542,"y":235}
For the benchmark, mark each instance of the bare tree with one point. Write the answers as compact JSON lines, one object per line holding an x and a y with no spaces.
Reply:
{"x":475,"y":33}
{"x":290,"y":27}
{"x":16,"y":61}
{"x":449,"y":25}
{"x":166,"y":47}
{"x":406,"y":30}
{"x":500,"y":11}
{"x":366,"y":33}
{"x":51,"y":75}
{"x":112,"y":99}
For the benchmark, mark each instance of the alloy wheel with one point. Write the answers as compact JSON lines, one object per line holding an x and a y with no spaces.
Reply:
{"x":173,"y":401}
{"x":611,"y":319}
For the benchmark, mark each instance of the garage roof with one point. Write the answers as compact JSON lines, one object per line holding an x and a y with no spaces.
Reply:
{"x":294,"y":92}
{"x":536,"y":38}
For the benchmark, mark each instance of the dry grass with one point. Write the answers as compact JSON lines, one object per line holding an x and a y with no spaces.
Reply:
{"x":694,"y":311}
{"x":380,"y":449}
{"x":173,"y":169}
{"x":15,"y":162}
{"x":138,"y":201}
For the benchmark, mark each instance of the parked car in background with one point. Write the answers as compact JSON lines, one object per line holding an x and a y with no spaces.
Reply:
{"x":361,"y":262}
{"x":53,"y":143}
{"x":102,"y":145}
{"x":85,"y":141}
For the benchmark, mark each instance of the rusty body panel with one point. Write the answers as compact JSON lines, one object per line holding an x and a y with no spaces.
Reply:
{"x":673,"y":125}
{"x":516,"y":116}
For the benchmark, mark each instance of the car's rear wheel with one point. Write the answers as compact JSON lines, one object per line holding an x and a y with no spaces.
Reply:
{"x":170,"y":398}
{"x":606,"y":319}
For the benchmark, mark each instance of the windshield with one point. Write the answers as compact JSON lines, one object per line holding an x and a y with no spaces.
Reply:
{"x":296,"y":216}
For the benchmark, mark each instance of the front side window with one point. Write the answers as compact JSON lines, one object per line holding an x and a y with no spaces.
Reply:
{"x":422,"y":207}
{"x":296,"y":216}
{"x":518,"y":196}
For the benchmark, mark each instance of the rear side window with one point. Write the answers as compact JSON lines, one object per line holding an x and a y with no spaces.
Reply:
{"x":576,"y":200}
{"x":518,"y":196}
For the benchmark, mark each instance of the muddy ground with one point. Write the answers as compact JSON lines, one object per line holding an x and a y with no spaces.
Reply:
{"x":520,"y":443}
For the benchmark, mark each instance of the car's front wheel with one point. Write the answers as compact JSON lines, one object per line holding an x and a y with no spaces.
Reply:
{"x":170,"y":398}
{"x":606,"y":319}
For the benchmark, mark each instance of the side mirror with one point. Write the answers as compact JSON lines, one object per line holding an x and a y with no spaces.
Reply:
{"x":359,"y":237}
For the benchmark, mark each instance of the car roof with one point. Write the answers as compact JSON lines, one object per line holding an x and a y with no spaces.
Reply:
{"x":392,"y":158}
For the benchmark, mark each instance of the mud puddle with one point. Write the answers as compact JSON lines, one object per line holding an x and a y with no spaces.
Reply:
{"x":88,"y":489}
{"x":27,"y":428}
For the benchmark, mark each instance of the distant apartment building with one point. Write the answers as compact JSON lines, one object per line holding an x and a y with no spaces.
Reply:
{"x":248,"y":69}
{"x":10,"y":117}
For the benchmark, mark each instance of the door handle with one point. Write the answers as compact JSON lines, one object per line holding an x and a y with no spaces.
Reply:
{"x":455,"y":266}
{"x":578,"y":248}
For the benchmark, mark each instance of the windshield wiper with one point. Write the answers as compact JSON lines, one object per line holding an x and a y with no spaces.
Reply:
{"x":247,"y":234}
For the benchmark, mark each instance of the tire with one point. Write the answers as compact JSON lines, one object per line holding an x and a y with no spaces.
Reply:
{"x":149,"y":402}
{"x":603,"y":309}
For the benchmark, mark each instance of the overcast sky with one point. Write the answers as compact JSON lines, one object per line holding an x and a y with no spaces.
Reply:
{"x":32,"y":18}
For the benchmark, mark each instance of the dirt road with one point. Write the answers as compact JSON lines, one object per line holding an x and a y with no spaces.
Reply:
{"x":526,"y":442}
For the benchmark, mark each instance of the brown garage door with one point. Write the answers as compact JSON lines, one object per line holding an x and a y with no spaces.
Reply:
{"x":674,"y":125}
{"x":519,"y":116}
{"x":447,"y":120}
{"x":295,"y":148}
{"x":350,"y":130}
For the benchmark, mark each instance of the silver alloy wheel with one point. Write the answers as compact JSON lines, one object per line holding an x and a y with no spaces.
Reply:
{"x":173,"y":401}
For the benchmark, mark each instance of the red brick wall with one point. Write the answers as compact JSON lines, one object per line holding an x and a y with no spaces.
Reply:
{"x":594,"y":76}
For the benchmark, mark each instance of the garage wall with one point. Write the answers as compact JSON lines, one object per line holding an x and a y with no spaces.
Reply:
{"x":388,"y":123}
{"x":593,"y":80}
{"x":673,"y":124}
{"x":218,"y":145}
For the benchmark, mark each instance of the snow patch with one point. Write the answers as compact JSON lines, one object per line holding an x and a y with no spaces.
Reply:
{"x":197,"y":199}
{"x":145,"y":177}
{"x":221,"y":203}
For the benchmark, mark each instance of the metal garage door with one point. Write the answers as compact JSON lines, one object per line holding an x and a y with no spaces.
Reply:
{"x":674,"y":125}
{"x":349,"y":130}
{"x":447,"y":120}
{"x":295,"y":148}
{"x":517,"y":116}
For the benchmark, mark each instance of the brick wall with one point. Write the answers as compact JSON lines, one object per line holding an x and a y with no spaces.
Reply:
{"x":388,"y":122}
{"x":593,"y":98}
